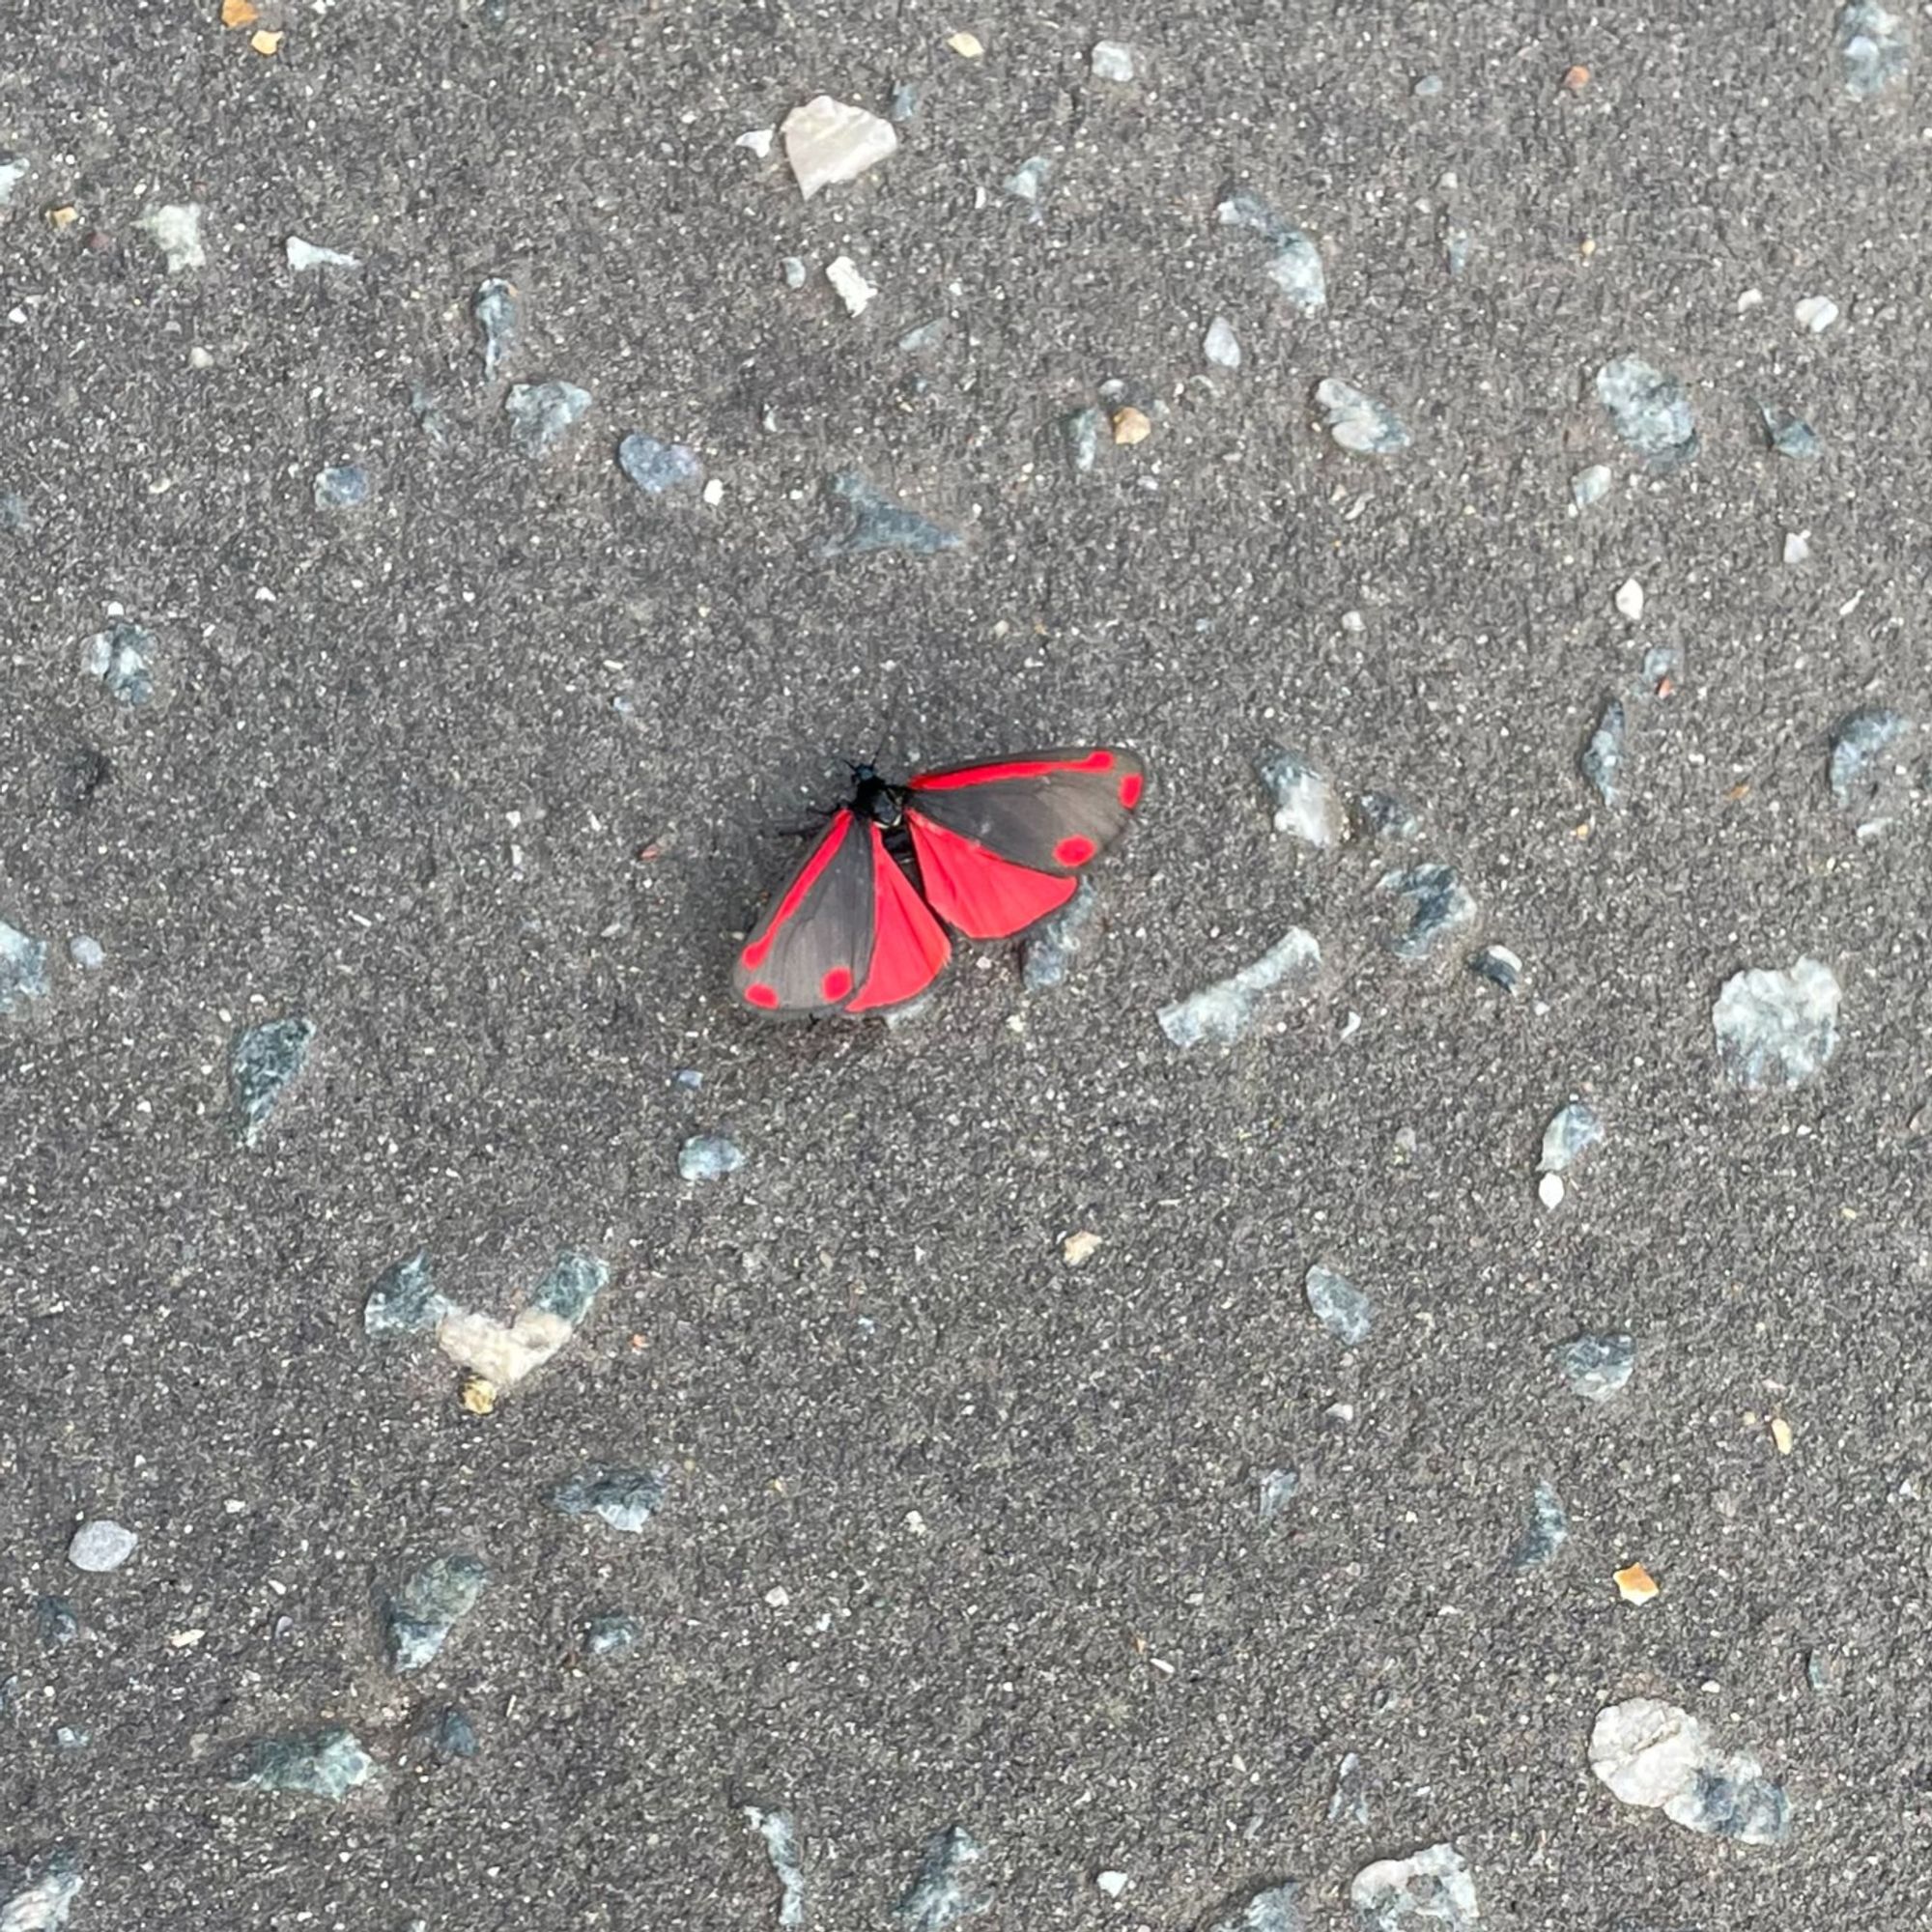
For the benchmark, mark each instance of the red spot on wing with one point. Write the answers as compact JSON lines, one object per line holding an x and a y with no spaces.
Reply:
{"x":1074,"y":851}
{"x":837,"y":983}
{"x":984,"y":895}
{"x":909,"y":946}
{"x":761,"y":995}
{"x":1016,"y":768}
{"x":754,"y":955}
{"x":1130,"y":789}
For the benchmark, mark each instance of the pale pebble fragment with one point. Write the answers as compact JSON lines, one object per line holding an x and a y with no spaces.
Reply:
{"x":23,"y":968}
{"x":262,"y":1065}
{"x":794,"y":271}
{"x":1224,"y":1012}
{"x":1777,"y":1028}
{"x":498,"y":314}
{"x":1602,"y":759}
{"x":1549,"y":1190}
{"x":1278,"y":1489}
{"x":1431,"y":1888}
{"x":1276,"y":1909}
{"x":343,"y":486}
{"x":429,"y":1605}
{"x":1816,"y":313}
{"x":1112,"y":1884}
{"x":1797,"y":546}
{"x":403,"y":1300}
{"x":13,"y":170}
{"x":709,"y":1156}
{"x":853,"y":289}
{"x":1339,"y":1305}
{"x":1858,"y":770}
{"x":1596,"y":1367}
{"x":1658,"y":1757}
{"x":1221,"y":346}
{"x":1112,"y":61}
{"x":626,"y":1499}
{"x":875,"y":523}
{"x":121,"y":657}
{"x":1547,"y":1530}
{"x":780,"y":1835}
{"x":1649,"y":409}
{"x":1357,"y":421}
{"x":756,"y":141}
{"x":1872,"y":48}
{"x":1790,"y":436}
{"x":1629,"y":600}
{"x":1295,"y":262}
{"x":306,"y":255}
{"x":542,"y":414}
{"x":828,"y":142}
{"x":1082,"y":429}
{"x":101,"y":1545}
{"x":322,"y":1764}
{"x":1440,"y":906}
{"x":657,"y":467}
{"x":1499,"y":965}
{"x":944,"y":1889}
{"x":175,"y":229}
{"x":1591,"y":486}
{"x":86,"y":952}
{"x":1028,"y":182}
{"x":1572,"y":1131}
{"x":39,"y":1897}
{"x":1306,"y":804}
{"x":1049,"y":949}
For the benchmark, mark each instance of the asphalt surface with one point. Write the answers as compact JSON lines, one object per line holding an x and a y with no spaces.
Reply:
{"x":482,"y":778}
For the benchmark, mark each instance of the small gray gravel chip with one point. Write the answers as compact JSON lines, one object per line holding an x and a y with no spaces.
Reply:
{"x":451,"y":1735}
{"x":1545,"y":1533}
{"x":1349,"y":1800}
{"x":499,"y":317}
{"x":1596,"y":1367}
{"x":55,"y":1623}
{"x":311,"y":1764}
{"x":657,"y":467}
{"x":709,"y":1157}
{"x":1049,"y":949}
{"x":344,"y":486}
{"x":1859,"y":742}
{"x":1383,"y":815}
{"x":1602,"y":760}
{"x":1223,"y":1012}
{"x":39,"y":1897}
{"x":779,"y":1833}
{"x":542,"y":414}
{"x":1499,"y":965}
{"x":17,"y":520}
{"x":1791,"y":436}
{"x":1441,"y":905}
{"x":101,"y":1545}
{"x":1276,"y":1909}
{"x":1111,"y":60}
{"x":574,"y":1282}
{"x":1649,"y":409}
{"x":1306,"y":804}
{"x":86,"y":952}
{"x":1294,"y":264}
{"x":265,"y":1060}
{"x":625,"y":1498}
{"x":1572,"y":1130}
{"x":1658,"y":1757}
{"x":874,"y":523}
{"x":1591,"y":486}
{"x":1278,"y":1489}
{"x":404,"y":1299}
{"x":121,"y":657}
{"x":1777,"y":1028}
{"x":1357,"y":421}
{"x":430,"y":1604}
{"x":1872,"y":48}
{"x":1431,"y":1888}
{"x":23,"y":968}
{"x":942,"y":1890}
{"x":612,"y":1636}
{"x":1083,"y":430}
{"x":1339,"y":1305}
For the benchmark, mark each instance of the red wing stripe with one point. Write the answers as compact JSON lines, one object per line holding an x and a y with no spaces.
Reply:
{"x":1019,"y":768}
{"x":909,"y":946}
{"x":984,"y":895}
{"x":835,"y":836}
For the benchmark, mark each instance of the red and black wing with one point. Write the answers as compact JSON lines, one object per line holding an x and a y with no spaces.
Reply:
{"x":1000,"y":844}
{"x":848,"y":931}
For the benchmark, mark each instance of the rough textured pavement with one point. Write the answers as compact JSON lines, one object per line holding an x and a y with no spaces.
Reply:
{"x":481,"y":777}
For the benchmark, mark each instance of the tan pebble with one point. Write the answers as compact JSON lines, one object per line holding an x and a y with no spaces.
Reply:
{"x":1131,"y":425}
{"x":966,"y":45}
{"x":478,"y":1395}
{"x":1635,"y":1585}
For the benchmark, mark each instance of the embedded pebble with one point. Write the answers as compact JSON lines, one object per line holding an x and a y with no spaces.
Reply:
{"x":944,"y":1890}
{"x":1295,"y":262}
{"x":86,"y":952}
{"x":304,"y":255}
{"x":1572,"y":1130}
{"x":1028,"y":181}
{"x":1224,"y":1012}
{"x":23,"y":968}
{"x":828,"y":141}
{"x":175,"y":229}
{"x":452,"y":1736}
{"x":1384,"y":816}
{"x":657,"y":467}
{"x":1278,"y":1909}
{"x":1547,"y":1531}
{"x":317,"y":1764}
{"x":1083,"y":429}
{"x":1339,"y":1305}
{"x":1112,"y":1884}
{"x":1428,"y":88}
{"x":498,"y":314}
{"x":1430,"y":1888}
{"x":1111,"y":60}
{"x":344,"y":487}
{"x":426,"y":405}
{"x":1603,"y":757}
{"x":779,"y":1835}
{"x":1440,"y":906}
{"x":926,"y":337}
{"x":1549,"y":1190}
{"x":542,"y":414}
{"x":39,"y":1897}
{"x":101,"y":1545}
{"x":1221,"y":346}
{"x":875,"y":523}
{"x":16,"y":519}
{"x":609,"y":1637}
{"x":1458,"y":243}
{"x":1349,"y":1800}
{"x":1777,"y":1028}
{"x":1872,"y":48}
{"x":56,"y":1623}
{"x":503,"y":1353}
{"x":905,"y":103}
{"x":1049,"y":949}
{"x":794,"y":270}
{"x":13,"y":170}
{"x":261,"y":1065}
{"x":1860,"y":775}
{"x":418,"y":1618}
{"x":1357,"y":421}
{"x":1663,"y":667}
{"x":1658,"y":1757}
{"x":1629,"y":600}
{"x":1650,"y":410}
{"x":709,"y":1157}
{"x":1278,"y":1489}
{"x":121,"y":657}
{"x":1817,"y":313}
{"x":1499,"y":965}
{"x":403,"y":1300}
{"x":625,"y":1498}
{"x":1790,"y":436}
{"x":1305,"y":803}
{"x":1596,"y":1367}
{"x":1591,"y":486}
{"x":852,"y":288}
{"x":1797,"y":546}
{"x":756,"y":141}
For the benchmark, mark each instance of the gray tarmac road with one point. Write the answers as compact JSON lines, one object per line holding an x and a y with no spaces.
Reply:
{"x":481,"y":777}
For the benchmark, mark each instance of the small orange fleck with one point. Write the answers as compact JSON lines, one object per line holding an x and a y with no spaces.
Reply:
{"x":1737,"y":794}
{"x":478,"y":1395}
{"x":237,"y":13}
{"x":637,"y":1340}
{"x":1635,"y":1585}
{"x":1666,"y":686}
{"x":266,"y":44}
{"x":1576,"y":79}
